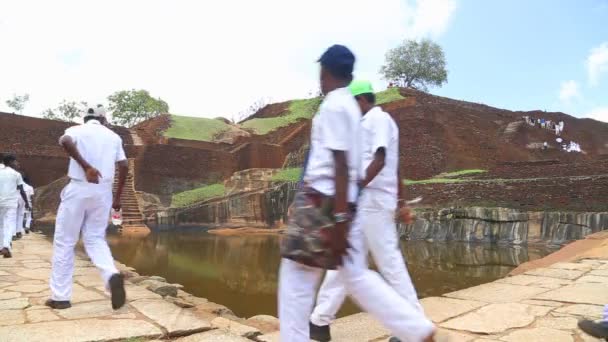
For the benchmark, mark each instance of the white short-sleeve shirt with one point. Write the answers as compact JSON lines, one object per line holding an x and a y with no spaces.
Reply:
{"x":99,"y":146}
{"x":379,"y":130}
{"x":335,"y":127}
{"x":9,"y":181}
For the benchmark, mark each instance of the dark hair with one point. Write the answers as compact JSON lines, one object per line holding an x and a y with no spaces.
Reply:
{"x":8,"y":158}
{"x":26,"y":179}
{"x":341,"y":72}
{"x":369,"y":97}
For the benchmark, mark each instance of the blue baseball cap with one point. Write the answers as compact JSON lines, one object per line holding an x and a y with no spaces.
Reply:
{"x":338,"y":58}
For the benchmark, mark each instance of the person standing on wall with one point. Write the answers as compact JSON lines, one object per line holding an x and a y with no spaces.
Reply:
{"x":381,"y":194}
{"x":86,"y":201}
{"x":29,"y":192}
{"x":11,"y":187}
{"x":331,"y":190}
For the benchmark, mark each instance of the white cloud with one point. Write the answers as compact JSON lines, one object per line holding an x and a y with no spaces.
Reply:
{"x":568,"y":91}
{"x":203,"y":58}
{"x":599,"y":113}
{"x":597,"y":63}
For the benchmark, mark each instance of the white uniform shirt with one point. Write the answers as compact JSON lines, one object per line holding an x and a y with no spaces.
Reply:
{"x":336,"y":128}
{"x":9,"y":181}
{"x":99,"y":146}
{"x":29,"y":193}
{"x":379,"y":130}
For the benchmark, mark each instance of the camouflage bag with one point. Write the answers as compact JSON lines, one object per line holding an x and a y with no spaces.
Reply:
{"x":309,"y":229}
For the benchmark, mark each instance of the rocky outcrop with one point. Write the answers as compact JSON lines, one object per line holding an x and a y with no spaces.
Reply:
{"x":502,"y":225}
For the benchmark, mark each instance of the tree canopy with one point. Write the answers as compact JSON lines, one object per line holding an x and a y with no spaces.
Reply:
{"x":67,"y":111}
{"x":416,"y":64}
{"x":18,"y":102}
{"x":129,"y":107}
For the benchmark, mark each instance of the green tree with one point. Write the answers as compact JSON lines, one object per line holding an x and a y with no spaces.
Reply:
{"x":18,"y":102}
{"x":416,"y":65}
{"x":67,"y":111}
{"x":130,"y":107}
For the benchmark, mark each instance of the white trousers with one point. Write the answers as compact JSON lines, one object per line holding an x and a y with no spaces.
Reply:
{"x":297,"y":285}
{"x":19,"y":219}
{"x":85,"y":208}
{"x":28,"y":219}
{"x":380,"y":233}
{"x":7,"y":222}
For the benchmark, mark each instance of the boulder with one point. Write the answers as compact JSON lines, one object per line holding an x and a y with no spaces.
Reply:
{"x":160,"y":288}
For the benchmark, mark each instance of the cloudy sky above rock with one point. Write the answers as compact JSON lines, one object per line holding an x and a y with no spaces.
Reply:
{"x":211,"y":59}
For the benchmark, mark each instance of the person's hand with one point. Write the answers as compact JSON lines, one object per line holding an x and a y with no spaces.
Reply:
{"x":405,"y":214}
{"x":339,"y":240}
{"x":116,"y":205}
{"x":27,"y":206}
{"x":93,"y":175}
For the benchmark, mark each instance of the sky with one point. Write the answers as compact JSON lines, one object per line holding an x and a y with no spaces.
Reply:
{"x":216,"y":58}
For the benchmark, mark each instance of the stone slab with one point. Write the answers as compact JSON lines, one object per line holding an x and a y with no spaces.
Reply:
{"x":91,"y":310}
{"x":539,"y":334}
{"x":495,"y":318}
{"x":11,"y":317}
{"x":583,"y":310}
{"x":14,"y":304}
{"x":571,"y":266}
{"x":80,"y":330}
{"x":438,"y":309}
{"x":583,"y":293}
{"x":235,"y":327}
{"x":444,"y":335}
{"x":560,"y":323}
{"x":27,"y":288}
{"x":213,"y":336}
{"x":556,"y":273}
{"x":592,"y":279}
{"x":175,"y":320}
{"x":35,"y":316}
{"x":9,"y":295}
{"x":530,"y":280}
{"x":497,"y":293}
{"x":37,"y":273}
{"x":602,"y":273}
{"x":549,"y":303}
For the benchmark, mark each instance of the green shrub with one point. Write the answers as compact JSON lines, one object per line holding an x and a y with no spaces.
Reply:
{"x":186,"y":198}
{"x":288,"y":175}
{"x":191,"y":128}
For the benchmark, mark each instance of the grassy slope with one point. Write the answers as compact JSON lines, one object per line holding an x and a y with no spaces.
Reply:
{"x":186,"y":198}
{"x":191,"y":128}
{"x":288,"y":175}
{"x":305,"y":109}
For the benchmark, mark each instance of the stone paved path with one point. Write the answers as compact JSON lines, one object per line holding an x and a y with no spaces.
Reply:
{"x":540,"y":305}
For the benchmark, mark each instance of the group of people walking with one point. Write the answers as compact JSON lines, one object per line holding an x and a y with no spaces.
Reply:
{"x":16,"y":197}
{"x":352,"y":176}
{"x":557,"y":127}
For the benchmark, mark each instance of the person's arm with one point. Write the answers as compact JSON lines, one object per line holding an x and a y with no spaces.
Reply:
{"x":24,"y":196}
{"x":92,"y":174}
{"x":380,"y":139}
{"x":374,"y":167}
{"x":340,"y":243}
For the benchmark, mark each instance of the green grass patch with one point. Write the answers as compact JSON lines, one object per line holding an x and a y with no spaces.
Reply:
{"x":297,"y":109}
{"x":434,"y":181}
{"x":186,"y":198}
{"x":191,"y":128}
{"x":389,"y":95}
{"x":288,"y":175}
{"x":460,"y":173}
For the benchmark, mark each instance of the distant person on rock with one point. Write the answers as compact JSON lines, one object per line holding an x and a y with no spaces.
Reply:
{"x":320,"y":233}
{"x":29,"y":191}
{"x":86,"y":201}
{"x":381,"y":194}
{"x":11,"y":188}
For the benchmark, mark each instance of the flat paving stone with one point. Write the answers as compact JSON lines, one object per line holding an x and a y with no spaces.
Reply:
{"x":444,"y":335}
{"x":602,"y":273}
{"x":12,"y":317}
{"x":14,"y":304}
{"x":583,"y":310}
{"x":438,"y":309}
{"x":235,"y":328}
{"x":176,"y":320}
{"x":556,"y":273}
{"x":549,"y":303}
{"x":592,"y":279}
{"x":495,"y":318}
{"x":560,"y":323}
{"x":530,"y":280}
{"x":27,"y":288}
{"x":571,"y":266}
{"x":539,"y":335}
{"x":213,"y":336}
{"x":38,"y":273}
{"x":91,"y":310}
{"x":583,"y":293}
{"x":9,"y":295}
{"x":46,"y":315}
{"x":497,"y":293}
{"x":83,"y":330}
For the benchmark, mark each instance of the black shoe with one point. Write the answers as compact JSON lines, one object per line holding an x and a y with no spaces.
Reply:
{"x":394,"y":339}
{"x":320,"y":333}
{"x":19,"y":236}
{"x":6,"y":253}
{"x":595,"y":329}
{"x":58,"y":304}
{"x":27,"y":231}
{"x":117,"y":289}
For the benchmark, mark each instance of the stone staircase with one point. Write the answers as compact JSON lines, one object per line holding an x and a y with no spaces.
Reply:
{"x":131,"y":211}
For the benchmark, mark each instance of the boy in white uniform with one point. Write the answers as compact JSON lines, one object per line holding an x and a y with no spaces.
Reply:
{"x":332,"y":170}
{"x":11,"y":187}
{"x":85,"y":206}
{"x":29,"y":192}
{"x":381,"y":188}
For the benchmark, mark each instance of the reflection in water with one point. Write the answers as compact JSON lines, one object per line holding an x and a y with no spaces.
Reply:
{"x":240,"y":272}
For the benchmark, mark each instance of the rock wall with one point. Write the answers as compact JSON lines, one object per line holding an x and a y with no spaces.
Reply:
{"x":503,"y":225}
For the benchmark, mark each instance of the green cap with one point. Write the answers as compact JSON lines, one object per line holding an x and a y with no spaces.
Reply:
{"x":359,"y":87}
